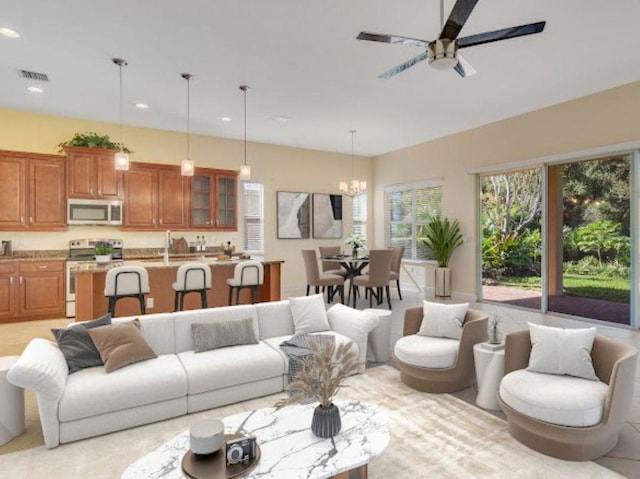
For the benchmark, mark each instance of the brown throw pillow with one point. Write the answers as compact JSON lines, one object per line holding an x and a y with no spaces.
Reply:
{"x":121,"y":344}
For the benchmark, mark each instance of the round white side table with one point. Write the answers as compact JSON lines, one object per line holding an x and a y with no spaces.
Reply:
{"x":379,"y":342}
{"x":11,"y":403}
{"x":489,"y":373}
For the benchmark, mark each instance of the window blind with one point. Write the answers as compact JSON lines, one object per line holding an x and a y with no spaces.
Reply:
{"x":253,"y":194}
{"x":407,"y":210}
{"x":360,"y":215}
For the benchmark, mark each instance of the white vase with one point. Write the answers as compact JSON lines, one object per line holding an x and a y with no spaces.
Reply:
{"x":443,"y":282}
{"x":103,"y":258}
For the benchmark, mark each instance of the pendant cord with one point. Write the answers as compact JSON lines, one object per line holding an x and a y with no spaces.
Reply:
{"x":441,"y":14}
{"x":353,"y":132}
{"x":188,"y":118}
{"x":245,"y":125}
{"x":121,"y":145}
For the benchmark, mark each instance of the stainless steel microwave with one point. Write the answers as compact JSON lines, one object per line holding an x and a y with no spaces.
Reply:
{"x":94,"y":212}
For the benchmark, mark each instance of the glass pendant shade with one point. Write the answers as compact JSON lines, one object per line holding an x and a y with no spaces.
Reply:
{"x":187,"y":167}
{"x":121,"y":160}
{"x":245,"y":172}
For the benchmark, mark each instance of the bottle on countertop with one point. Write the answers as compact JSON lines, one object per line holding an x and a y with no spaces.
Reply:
{"x":203,"y":244}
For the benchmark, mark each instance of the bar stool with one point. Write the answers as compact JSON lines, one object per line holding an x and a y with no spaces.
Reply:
{"x":248,"y":274}
{"x":126,"y":282}
{"x":191,"y":278}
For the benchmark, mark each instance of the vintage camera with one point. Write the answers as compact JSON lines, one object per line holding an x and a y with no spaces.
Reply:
{"x":241,"y":450}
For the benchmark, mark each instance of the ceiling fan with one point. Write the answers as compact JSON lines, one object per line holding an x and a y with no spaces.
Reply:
{"x":443,"y":53}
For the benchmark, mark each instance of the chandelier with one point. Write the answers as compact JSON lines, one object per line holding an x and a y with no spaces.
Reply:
{"x":355,"y":186}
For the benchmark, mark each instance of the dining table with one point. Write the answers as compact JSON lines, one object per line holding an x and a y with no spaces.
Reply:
{"x":352,"y":264}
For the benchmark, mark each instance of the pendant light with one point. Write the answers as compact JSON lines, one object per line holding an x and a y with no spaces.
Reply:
{"x":245,"y":170}
{"x":121,"y":158}
{"x":356,"y":186}
{"x":186,"y":165}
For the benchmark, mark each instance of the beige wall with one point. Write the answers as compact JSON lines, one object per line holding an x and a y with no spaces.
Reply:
{"x":279,"y":168}
{"x":605,"y":118}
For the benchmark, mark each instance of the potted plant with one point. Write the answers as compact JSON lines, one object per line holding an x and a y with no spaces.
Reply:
{"x":442,"y":237}
{"x":322,"y":375}
{"x":103,"y":250}
{"x":92,"y":140}
{"x":355,"y":242}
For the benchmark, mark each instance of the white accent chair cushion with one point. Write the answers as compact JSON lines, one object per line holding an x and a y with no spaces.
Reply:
{"x":562,"y":351}
{"x":426,"y":351}
{"x":309,"y":315}
{"x":443,"y":320}
{"x":562,"y":400}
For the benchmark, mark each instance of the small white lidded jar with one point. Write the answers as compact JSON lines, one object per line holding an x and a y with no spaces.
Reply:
{"x":206,"y":437}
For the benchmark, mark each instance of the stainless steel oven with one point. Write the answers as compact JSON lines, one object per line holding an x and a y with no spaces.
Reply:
{"x":81,"y":256}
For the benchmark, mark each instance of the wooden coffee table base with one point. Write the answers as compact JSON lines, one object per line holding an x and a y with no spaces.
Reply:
{"x":357,"y":473}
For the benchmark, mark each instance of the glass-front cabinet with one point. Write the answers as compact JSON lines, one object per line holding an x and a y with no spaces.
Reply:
{"x":214,"y":200}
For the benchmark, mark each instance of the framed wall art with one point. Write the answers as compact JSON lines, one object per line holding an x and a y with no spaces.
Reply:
{"x":327,"y":216}
{"x":293,"y":215}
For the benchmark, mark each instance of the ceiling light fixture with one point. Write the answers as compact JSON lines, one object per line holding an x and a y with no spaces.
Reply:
{"x":121,"y":158}
{"x":226,"y":119}
{"x":142,"y":106}
{"x":245,"y":170}
{"x":356,"y":186}
{"x":35,"y":89}
{"x":186,"y":165}
{"x":9,"y":33}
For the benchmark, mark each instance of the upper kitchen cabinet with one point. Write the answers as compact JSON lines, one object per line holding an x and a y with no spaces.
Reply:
{"x":91,"y":173}
{"x":32,"y":191}
{"x":214,"y":200}
{"x":155,"y":197}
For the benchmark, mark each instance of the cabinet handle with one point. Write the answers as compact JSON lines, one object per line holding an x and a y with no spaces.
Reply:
{"x":22,"y":219}
{"x":160,"y":220}
{"x":30,"y":219}
{"x":11,"y":280}
{"x":42,"y":266}
{"x":20,"y":279}
{"x":154,"y":221}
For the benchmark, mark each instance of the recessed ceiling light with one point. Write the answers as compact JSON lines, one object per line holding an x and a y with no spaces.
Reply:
{"x":7,"y":32}
{"x":142,"y":106}
{"x":35,"y":89}
{"x":226,"y":119}
{"x":281,"y":118}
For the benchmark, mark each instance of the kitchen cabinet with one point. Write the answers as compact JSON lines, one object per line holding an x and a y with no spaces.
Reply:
{"x":214,"y":200}
{"x":32,"y":192}
{"x":31,"y":290}
{"x":155,"y":197}
{"x":91,"y":174}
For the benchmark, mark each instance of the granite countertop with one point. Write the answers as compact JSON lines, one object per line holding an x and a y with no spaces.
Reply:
{"x":159,"y":264}
{"x":37,"y":255}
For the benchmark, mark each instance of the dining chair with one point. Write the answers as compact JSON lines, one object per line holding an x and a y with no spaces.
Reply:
{"x":394,"y":275}
{"x":376,"y":278}
{"x":331,"y":267}
{"x":318,"y":280}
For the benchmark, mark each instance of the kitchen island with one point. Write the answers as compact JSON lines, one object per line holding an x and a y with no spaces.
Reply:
{"x":90,"y":279}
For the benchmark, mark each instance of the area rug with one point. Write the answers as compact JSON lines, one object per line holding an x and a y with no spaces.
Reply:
{"x":432,"y":435}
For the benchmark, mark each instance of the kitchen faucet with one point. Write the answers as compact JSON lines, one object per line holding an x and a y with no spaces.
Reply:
{"x":168,"y":241}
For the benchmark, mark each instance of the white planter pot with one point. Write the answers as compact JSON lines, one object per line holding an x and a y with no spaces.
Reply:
{"x":103,"y":258}
{"x":443,"y":282}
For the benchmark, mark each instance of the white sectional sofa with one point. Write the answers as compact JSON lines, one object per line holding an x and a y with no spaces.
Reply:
{"x":91,"y":402}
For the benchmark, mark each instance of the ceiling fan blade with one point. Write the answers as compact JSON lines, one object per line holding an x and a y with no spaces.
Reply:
{"x":403,"y":66}
{"x":464,"y":68}
{"x":503,"y":34}
{"x":457,"y":18}
{"x":384,"y":38}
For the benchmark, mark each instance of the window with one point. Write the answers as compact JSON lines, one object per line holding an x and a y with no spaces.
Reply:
{"x":407,"y":208}
{"x":253,"y":195}
{"x":360,"y":215}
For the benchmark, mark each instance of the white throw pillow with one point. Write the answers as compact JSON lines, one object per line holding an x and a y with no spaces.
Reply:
{"x":355,"y":325}
{"x":443,"y":320}
{"x":309,"y":315}
{"x":562,"y":351}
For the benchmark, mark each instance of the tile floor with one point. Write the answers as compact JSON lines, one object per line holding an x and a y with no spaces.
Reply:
{"x":625,"y":457}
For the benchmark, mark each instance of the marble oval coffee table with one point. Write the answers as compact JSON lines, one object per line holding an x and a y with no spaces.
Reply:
{"x":289,"y":448}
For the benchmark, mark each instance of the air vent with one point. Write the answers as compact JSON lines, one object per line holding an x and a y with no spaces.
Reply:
{"x":33,"y":75}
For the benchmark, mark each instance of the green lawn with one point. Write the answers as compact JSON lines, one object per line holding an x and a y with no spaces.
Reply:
{"x":611,"y":289}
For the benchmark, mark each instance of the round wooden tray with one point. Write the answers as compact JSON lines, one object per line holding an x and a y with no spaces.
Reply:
{"x":214,"y":466}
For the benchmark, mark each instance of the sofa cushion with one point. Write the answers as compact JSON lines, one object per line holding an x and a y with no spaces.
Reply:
{"x":157,"y":330}
{"x":277,"y":341}
{"x":224,"y":367}
{"x":121,"y":344}
{"x":561,"y":400}
{"x":221,"y":334}
{"x":184,"y":319}
{"x":426,"y":351}
{"x":353,"y":324}
{"x":443,"y":320}
{"x":92,"y":391}
{"x":274,"y":319}
{"x":309,"y":314}
{"x":562,"y":351}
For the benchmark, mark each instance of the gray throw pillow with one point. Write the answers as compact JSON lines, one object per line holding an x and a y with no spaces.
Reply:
{"x":77,"y":346}
{"x":220,"y":334}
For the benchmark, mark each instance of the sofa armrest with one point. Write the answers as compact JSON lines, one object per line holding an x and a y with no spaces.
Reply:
{"x":42,"y":368}
{"x":473,"y":331}
{"x":622,"y":379}
{"x":353,"y":324}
